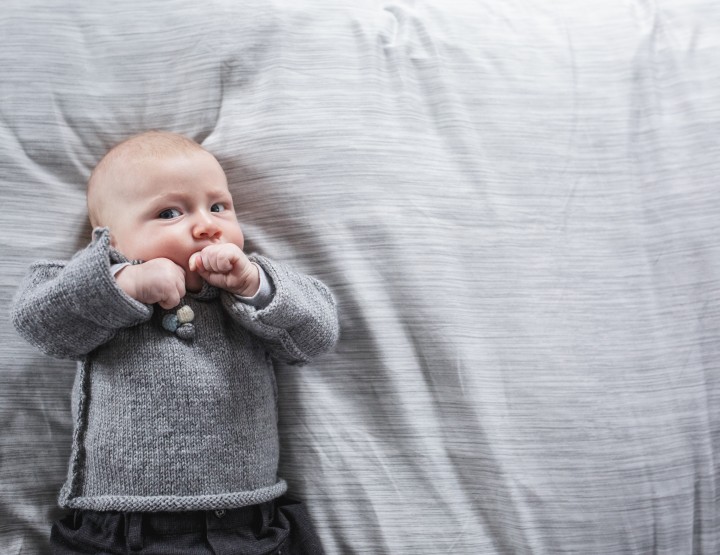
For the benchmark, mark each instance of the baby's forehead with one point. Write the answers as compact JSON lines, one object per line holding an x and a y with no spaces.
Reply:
{"x":150,"y":147}
{"x":142,"y":152}
{"x":114,"y":174}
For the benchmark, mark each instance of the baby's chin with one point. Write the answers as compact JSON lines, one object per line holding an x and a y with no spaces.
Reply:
{"x":193,"y":281}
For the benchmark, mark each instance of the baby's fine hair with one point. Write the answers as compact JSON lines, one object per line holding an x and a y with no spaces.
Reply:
{"x":152,"y":144}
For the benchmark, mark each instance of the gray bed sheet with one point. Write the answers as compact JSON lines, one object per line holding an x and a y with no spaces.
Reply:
{"x":515,"y":203}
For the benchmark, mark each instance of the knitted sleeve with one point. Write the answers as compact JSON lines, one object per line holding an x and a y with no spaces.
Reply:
{"x":67,"y":309}
{"x":301,"y":320}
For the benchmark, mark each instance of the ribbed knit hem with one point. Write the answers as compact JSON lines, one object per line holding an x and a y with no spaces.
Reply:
{"x":173,"y":503}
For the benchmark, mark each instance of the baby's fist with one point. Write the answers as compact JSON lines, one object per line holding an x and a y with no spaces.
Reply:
{"x":159,"y":280}
{"x":226,"y":266}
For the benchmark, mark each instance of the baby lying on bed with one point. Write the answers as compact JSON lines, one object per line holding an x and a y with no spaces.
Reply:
{"x":175,"y":443}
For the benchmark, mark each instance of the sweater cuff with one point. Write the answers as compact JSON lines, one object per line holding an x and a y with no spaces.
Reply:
{"x":265,"y":292}
{"x":115,"y":268}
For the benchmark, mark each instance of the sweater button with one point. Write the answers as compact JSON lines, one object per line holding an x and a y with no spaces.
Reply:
{"x":220,"y":513}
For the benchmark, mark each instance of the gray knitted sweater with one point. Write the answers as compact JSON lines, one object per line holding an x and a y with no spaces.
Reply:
{"x":162,"y":422}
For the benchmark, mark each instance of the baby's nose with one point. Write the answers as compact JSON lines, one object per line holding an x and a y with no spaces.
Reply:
{"x":205,"y":227}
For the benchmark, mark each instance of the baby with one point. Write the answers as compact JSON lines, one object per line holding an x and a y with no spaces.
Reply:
{"x":175,"y":443}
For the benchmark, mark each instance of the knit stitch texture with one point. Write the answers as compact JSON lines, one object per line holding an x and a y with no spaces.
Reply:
{"x":164,"y":423}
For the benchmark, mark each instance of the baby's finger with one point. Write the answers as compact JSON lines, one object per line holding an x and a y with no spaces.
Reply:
{"x":227,"y":262}
{"x":180,"y":286}
{"x":210,"y":260}
{"x":171,"y":300}
{"x":174,"y":294}
{"x":194,"y":264}
{"x":221,"y":262}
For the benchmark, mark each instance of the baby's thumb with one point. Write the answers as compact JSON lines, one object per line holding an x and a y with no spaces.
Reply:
{"x":195,"y":262}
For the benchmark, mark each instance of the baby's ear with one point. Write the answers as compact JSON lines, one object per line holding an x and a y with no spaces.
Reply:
{"x":98,"y":232}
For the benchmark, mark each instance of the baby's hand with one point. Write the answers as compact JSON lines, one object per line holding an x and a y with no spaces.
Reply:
{"x":226,"y":266}
{"x":156,"y":281}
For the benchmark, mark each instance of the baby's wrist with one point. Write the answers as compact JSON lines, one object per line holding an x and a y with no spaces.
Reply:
{"x":264,"y":294}
{"x":124,"y":279}
{"x":249,"y":281}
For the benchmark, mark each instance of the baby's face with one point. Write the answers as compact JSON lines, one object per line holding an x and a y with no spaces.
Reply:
{"x":171,"y":207}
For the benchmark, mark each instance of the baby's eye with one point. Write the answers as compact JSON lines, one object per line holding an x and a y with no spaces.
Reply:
{"x":169,"y":214}
{"x":218,"y":207}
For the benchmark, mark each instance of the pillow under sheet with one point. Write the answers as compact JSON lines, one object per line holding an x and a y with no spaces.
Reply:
{"x":516,"y":205}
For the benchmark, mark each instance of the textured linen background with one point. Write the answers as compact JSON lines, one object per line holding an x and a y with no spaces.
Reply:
{"x":516,"y":204}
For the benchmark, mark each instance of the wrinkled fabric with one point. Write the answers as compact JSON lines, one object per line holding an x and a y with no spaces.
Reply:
{"x":515,"y":204}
